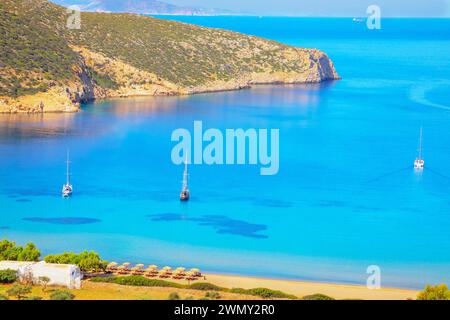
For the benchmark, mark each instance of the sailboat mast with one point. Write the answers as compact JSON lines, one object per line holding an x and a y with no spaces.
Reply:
{"x":68,"y":169}
{"x":420,"y":144}
{"x":185,"y":175}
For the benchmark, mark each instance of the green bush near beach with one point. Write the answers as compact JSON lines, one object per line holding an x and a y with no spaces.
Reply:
{"x":8,"y":276}
{"x":88,"y":261}
{"x":317,"y":296}
{"x":264,"y":293}
{"x":11,"y":252}
{"x":205,"y":286}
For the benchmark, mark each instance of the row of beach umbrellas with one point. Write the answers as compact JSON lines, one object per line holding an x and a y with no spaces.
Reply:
{"x":153,"y":269}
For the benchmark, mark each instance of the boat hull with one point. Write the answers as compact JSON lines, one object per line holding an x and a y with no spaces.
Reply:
{"x":419,"y":164}
{"x":67,"y":191}
{"x":184,"y":196}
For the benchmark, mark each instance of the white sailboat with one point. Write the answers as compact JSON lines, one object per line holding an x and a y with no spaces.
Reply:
{"x":419,"y":163}
{"x":184,"y":195}
{"x":67,"y":188}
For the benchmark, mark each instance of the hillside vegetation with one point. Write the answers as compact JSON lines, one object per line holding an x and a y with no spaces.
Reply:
{"x":46,"y":66}
{"x":32,"y":55}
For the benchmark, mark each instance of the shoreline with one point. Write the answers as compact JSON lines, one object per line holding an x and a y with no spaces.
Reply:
{"x":194,"y":92}
{"x":301,"y":288}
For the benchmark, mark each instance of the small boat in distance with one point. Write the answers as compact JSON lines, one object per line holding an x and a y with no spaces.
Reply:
{"x":184,"y":195}
{"x":358,"y":20}
{"x":67,"y":188}
{"x":419,"y":163}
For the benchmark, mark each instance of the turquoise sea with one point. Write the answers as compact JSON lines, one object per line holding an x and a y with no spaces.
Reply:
{"x":346,"y":195}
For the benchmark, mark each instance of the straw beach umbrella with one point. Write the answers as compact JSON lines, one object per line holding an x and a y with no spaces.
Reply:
{"x":112,"y":266}
{"x":167,"y":270}
{"x":180,"y":272}
{"x":196,"y":272}
{"x":125,"y":268}
{"x":152,"y":269}
{"x":190,"y":276}
{"x":137,"y":268}
{"x":121,"y":269}
{"x":163,"y":274}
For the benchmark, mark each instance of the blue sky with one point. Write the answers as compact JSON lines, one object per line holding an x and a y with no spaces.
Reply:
{"x":328,"y":8}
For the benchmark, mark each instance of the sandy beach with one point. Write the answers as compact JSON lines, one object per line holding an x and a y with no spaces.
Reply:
{"x":303,"y":288}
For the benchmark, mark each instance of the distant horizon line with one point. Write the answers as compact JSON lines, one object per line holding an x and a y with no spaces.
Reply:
{"x":277,"y":16}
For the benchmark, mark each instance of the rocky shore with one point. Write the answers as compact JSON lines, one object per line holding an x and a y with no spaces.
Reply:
{"x":134,"y":82}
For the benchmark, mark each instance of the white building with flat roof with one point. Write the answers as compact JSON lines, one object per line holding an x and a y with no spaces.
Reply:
{"x":67,"y":275}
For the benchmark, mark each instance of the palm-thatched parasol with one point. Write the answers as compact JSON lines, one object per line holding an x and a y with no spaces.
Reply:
{"x":196,"y":271}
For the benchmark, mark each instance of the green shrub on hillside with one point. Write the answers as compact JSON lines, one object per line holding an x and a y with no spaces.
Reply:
{"x":103,"y":81}
{"x":31,"y":45}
